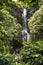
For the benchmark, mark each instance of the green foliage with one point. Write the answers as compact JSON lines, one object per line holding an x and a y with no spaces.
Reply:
{"x":5,"y":60}
{"x":21,"y":3}
{"x":29,"y":3}
{"x":26,"y":3}
{"x":21,"y":63}
{"x":6,"y":3}
{"x":36,"y":24}
{"x":9,"y":30}
{"x":33,"y":52}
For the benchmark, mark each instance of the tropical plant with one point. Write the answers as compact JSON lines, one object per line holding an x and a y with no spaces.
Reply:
{"x":9,"y":30}
{"x":33,"y":52}
{"x":5,"y":60}
{"x":36,"y":24}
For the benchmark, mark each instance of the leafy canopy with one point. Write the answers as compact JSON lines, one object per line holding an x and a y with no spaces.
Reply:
{"x":36,"y":23}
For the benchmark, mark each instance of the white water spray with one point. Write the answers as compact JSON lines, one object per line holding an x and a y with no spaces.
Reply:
{"x":25,"y":34}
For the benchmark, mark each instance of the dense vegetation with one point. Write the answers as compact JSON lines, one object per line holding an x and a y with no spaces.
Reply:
{"x":11,"y":23}
{"x":36,"y":24}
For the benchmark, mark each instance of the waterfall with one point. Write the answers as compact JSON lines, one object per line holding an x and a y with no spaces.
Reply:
{"x":25,"y":34}
{"x":24,"y":18}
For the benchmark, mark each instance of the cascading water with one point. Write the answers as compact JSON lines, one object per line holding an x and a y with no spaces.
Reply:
{"x":25,"y":34}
